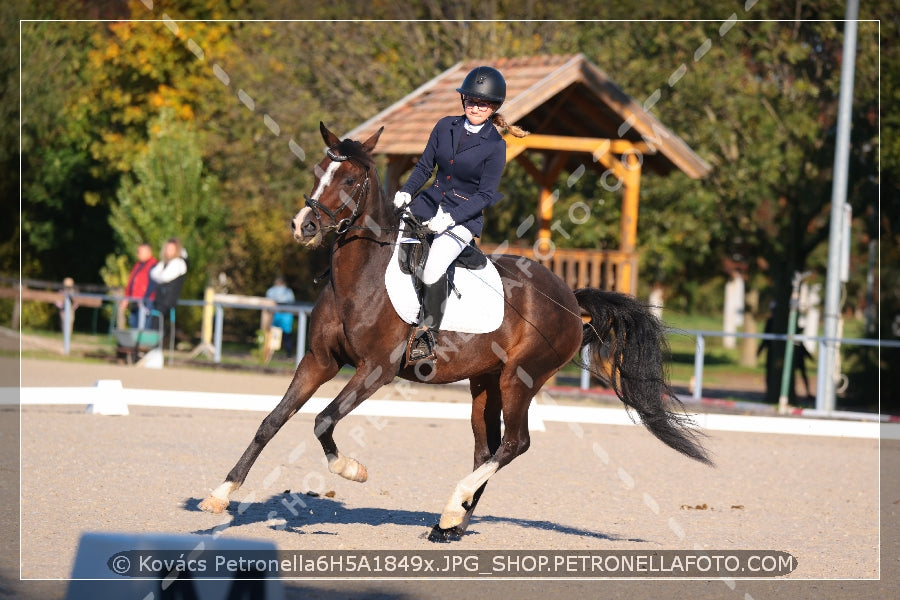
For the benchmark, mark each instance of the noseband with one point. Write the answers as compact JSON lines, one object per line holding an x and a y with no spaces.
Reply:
{"x":359,"y":192}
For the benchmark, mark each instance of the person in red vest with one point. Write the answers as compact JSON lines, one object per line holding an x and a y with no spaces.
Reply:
{"x":138,"y":282}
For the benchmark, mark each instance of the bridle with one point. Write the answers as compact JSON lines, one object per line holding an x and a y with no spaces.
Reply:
{"x":341,"y":226}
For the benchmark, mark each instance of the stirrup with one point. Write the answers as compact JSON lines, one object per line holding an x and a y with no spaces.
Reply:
{"x":421,"y":345}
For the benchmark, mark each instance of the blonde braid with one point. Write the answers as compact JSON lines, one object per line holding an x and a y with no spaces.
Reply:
{"x":504,"y":127}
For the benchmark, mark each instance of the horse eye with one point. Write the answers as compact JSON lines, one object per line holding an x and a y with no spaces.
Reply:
{"x":349,"y":180}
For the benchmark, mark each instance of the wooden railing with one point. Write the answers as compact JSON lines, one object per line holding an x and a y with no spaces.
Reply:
{"x":603,"y":269}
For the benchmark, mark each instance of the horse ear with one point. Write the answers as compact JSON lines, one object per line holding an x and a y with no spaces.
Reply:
{"x":331,"y":140}
{"x":369,"y":144}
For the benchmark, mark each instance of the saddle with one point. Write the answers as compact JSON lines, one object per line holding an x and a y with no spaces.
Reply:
{"x":476,"y":302}
{"x":412,"y":257}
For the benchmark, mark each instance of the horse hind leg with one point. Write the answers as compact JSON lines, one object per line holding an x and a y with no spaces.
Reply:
{"x":515,"y":397}
{"x":516,"y":387}
{"x":486,"y":430}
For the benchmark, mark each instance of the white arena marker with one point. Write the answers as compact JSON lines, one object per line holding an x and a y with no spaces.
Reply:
{"x":109,"y":398}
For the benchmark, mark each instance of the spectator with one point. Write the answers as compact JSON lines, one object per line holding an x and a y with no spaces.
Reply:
{"x":167,"y":277}
{"x":69,"y":290}
{"x":138,"y":282}
{"x":284,"y":321}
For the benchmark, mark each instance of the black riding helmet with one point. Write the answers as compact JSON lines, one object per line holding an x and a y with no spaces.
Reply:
{"x":484,"y":83}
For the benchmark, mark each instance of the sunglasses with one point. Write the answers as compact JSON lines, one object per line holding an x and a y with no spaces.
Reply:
{"x":479,"y":104}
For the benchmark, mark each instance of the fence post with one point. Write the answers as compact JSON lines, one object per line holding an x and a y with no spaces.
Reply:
{"x":699,"y":351}
{"x":217,"y":338}
{"x":787,"y":372}
{"x":206,"y":327}
{"x":67,"y":322}
{"x":302,"y":324}
{"x":585,"y":382}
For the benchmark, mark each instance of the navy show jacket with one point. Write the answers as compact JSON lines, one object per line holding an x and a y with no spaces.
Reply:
{"x":468,"y":173}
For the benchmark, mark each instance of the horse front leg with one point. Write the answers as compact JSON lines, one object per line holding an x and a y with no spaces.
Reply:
{"x":310,"y":374}
{"x":367,"y":380}
{"x":486,"y":430}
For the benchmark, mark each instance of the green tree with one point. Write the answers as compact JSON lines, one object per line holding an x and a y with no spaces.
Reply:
{"x":170,"y":195}
{"x":57,"y":216}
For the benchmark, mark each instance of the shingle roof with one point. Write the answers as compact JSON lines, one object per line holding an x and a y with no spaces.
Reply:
{"x":552,"y":95}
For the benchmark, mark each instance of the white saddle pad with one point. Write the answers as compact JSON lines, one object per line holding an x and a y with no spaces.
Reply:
{"x":478,"y":310}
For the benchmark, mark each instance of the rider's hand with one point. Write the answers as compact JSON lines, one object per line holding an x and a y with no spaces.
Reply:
{"x":440,"y":222}
{"x":401,"y":199}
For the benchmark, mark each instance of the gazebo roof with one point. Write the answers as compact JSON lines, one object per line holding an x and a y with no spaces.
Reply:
{"x":548,"y":95}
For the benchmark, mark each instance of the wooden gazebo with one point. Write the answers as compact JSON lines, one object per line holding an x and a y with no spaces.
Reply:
{"x":578,"y":118}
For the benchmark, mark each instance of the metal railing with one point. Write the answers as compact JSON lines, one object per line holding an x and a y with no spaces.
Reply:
{"x":303,"y":311}
{"x":71,"y":300}
{"x":700,"y":351}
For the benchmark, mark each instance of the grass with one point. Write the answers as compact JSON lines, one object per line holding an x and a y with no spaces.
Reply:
{"x":720,"y":365}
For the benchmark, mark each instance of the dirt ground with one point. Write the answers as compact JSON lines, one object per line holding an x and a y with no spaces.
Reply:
{"x":580,"y":487}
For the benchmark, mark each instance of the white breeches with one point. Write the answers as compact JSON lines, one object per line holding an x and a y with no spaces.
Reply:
{"x":444,"y":250}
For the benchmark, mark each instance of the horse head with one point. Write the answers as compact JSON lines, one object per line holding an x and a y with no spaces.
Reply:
{"x":341,"y":188}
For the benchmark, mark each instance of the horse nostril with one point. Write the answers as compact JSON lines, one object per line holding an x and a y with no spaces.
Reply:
{"x":293,"y":225}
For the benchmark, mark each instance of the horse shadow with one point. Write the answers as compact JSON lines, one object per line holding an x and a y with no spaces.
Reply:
{"x":303,"y":513}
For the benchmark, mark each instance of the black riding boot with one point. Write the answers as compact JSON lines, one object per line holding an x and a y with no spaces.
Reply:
{"x":422,"y":342}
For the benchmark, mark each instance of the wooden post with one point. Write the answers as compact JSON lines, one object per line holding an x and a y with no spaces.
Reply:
{"x":626,"y":282}
{"x":543,"y":246}
{"x":121,"y":308}
{"x":206,"y":328}
{"x":206,"y":345}
{"x":547,"y":178}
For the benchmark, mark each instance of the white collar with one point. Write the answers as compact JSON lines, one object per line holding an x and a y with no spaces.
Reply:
{"x":472,"y":128}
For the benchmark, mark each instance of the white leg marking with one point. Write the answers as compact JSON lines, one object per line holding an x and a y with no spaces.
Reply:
{"x":346,"y":467}
{"x":218,"y":500}
{"x":465,"y":490}
{"x":222,"y":492}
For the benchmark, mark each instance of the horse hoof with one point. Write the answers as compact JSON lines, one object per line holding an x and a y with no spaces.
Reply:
{"x":445,"y":536}
{"x":348,"y":468}
{"x":361,"y":474}
{"x":213,"y":505}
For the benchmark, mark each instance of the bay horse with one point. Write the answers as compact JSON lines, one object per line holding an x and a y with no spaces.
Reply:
{"x":353,"y":322}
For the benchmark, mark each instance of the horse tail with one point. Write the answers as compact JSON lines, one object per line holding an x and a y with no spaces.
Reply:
{"x":626,"y":348}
